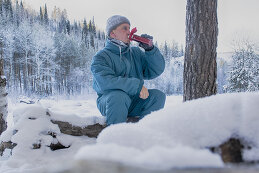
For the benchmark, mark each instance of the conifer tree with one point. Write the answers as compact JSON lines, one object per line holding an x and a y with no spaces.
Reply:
{"x":22,"y":11}
{"x":99,"y":35}
{"x":90,"y":27}
{"x":46,"y":18}
{"x":85,"y":29}
{"x":41,"y":15}
{"x":85,"y":33}
{"x":21,"y":5}
{"x":75,"y":28}
{"x":68,"y":27}
{"x":62,"y":24}
{"x":8,"y":9}
{"x":94,"y":28}
{"x":17,"y":13}
{"x":245,"y":70}
{"x":1,"y":8}
{"x":92,"y":40}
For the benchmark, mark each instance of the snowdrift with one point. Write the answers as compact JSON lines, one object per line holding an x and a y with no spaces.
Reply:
{"x":178,"y":136}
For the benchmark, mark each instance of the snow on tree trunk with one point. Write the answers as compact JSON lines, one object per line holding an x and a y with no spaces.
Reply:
{"x":200,"y":67}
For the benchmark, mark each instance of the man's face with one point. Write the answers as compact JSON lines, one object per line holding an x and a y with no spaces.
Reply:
{"x":121,"y":33}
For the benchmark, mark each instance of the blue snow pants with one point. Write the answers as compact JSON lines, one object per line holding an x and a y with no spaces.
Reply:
{"x":117,"y":105}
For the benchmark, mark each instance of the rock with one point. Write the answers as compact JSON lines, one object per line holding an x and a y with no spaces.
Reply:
{"x":27,"y":102}
{"x":57,"y":146}
{"x":6,"y":145}
{"x":36,"y":146}
{"x":69,"y":129}
{"x":231,"y":151}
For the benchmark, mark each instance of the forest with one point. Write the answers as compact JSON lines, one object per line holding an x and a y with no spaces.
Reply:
{"x":46,"y":54}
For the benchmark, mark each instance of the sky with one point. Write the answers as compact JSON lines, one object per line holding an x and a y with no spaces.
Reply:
{"x":163,"y":19}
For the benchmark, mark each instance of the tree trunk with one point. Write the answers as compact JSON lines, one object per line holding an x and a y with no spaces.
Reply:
{"x":200,"y":67}
{"x":3,"y":94}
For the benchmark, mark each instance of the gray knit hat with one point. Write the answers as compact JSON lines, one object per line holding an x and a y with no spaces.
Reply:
{"x":114,"y":21}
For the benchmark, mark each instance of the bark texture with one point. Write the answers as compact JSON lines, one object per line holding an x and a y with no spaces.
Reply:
{"x":3,"y":94}
{"x":200,"y":67}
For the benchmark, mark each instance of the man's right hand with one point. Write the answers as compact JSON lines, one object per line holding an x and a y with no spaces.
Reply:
{"x":144,"y":93}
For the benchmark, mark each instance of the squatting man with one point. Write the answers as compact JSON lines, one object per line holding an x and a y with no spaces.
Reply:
{"x":119,"y":71}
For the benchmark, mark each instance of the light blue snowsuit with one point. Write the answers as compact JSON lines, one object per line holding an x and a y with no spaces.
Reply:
{"x":118,"y":77}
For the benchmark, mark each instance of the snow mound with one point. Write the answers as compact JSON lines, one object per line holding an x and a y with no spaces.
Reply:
{"x":33,"y":132}
{"x":188,"y":127}
{"x":155,"y":158}
{"x":176,"y":137}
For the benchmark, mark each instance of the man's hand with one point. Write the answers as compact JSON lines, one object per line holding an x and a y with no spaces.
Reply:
{"x":146,"y":46}
{"x":144,"y":93}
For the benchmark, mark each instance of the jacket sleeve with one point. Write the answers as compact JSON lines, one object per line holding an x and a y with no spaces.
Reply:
{"x":106,"y":78}
{"x":153,"y":63}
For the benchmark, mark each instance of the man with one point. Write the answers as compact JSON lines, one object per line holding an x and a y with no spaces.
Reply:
{"x":119,"y":72}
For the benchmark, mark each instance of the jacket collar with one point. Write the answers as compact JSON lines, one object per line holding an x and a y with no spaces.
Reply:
{"x":116,"y":46}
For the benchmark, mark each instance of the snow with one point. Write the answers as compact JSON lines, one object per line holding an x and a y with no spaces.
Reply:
{"x":176,"y":137}
{"x":157,"y":157}
{"x":226,"y":56}
{"x":79,"y":113}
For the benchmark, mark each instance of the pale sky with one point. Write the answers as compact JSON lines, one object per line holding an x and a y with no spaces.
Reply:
{"x":163,"y":19}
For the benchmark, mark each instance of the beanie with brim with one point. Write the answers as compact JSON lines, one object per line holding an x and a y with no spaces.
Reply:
{"x":114,"y":21}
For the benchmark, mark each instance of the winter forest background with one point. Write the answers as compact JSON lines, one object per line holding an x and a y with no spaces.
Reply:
{"x":45,"y":54}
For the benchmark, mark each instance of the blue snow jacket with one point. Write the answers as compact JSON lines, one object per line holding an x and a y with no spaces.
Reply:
{"x":124,"y":68}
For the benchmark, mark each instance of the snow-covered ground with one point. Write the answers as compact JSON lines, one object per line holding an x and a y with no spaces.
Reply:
{"x":175,"y":137}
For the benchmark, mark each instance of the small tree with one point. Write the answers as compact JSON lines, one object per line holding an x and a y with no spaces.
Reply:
{"x":245,"y":69}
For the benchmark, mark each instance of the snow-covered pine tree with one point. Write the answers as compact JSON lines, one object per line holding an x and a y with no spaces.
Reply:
{"x":68,"y":27}
{"x":85,"y":33}
{"x":1,"y":8}
{"x":45,"y":16}
{"x":245,"y":70}
{"x":165,"y":52}
{"x":62,"y":23}
{"x":94,"y":28}
{"x":8,"y":9}
{"x":41,"y":15}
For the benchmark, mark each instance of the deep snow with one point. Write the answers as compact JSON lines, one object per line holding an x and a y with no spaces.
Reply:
{"x":176,"y":137}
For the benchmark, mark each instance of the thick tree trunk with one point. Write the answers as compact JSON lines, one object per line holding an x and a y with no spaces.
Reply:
{"x":3,"y":94}
{"x":200,"y":67}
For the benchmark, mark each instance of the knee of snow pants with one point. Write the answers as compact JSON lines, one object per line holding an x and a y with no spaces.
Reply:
{"x":114,"y":105}
{"x":143,"y":107}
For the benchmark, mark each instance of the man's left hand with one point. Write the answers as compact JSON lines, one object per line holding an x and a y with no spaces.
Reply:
{"x":146,"y":46}
{"x":144,"y":93}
